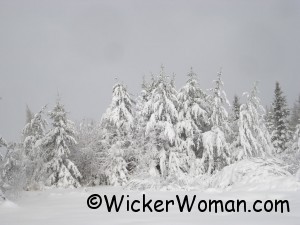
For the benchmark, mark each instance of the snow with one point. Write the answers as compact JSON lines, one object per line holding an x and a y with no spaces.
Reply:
{"x":166,"y":143}
{"x":255,"y":174}
{"x":68,"y":206}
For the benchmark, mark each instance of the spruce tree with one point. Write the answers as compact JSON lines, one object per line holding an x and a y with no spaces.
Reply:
{"x":12,"y":174}
{"x":59,"y":170}
{"x":234,"y":119}
{"x":193,"y":120}
{"x":29,"y":114}
{"x":236,"y":108}
{"x":161,"y":114}
{"x":279,"y":120}
{"x":296,"y":139}
{"x":269,"y":118}
{"x":216,"y":153}
{"x":295,"y":115}
{"x":143,"y":143}
{"x":33,"y":132}
{"x":253,"y":134}
{"x":3,"y":143}
{"x":118,"y":123}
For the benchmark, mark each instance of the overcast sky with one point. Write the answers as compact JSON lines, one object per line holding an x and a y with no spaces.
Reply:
{"x":79,"y":47}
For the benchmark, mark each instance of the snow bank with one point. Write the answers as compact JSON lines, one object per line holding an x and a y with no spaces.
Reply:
{"x":255,"y":174}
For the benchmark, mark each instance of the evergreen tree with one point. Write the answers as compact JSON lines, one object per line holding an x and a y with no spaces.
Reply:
{"x":234,"y":119}
{"x":161,"y":114}
{"x":279,"y":120}
{"x":119,"y":127}
{"x":59,"y":170}
{"x":193,"y":120}
{"x":143,"y":143}
{"x":295,"y":115}
{"x":29,"y":114}
{"x":253,"y":134}
{"x":296,"y":139}
{"x":269,"y":118}
{"x":216,"y":149}
{"x":33,"y":132}
{"x":236,"y":108}
{"x":3,"y":143}
{"x":12,"y":175}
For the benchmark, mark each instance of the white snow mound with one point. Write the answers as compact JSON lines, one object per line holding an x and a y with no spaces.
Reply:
{"x":255,"y":174}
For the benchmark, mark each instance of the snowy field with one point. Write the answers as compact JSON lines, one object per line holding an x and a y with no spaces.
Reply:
{"x":68,"y":206}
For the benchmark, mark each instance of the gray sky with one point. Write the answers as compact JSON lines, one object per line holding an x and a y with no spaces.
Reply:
{"x":79,"y":47}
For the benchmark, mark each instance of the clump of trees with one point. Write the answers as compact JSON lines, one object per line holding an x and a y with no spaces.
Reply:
{"x":163,"y":135}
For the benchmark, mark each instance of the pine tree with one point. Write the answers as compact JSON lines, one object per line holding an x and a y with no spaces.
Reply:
{"x":253,"y":134}
{"x":118,"y":123}
{"x":59,"y":170}
{"x":193,"y":120}
{"x":280,"y":127}
{"x":216,"y":148}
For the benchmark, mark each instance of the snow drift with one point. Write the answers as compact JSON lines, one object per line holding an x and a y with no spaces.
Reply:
{"x":255,"y":174}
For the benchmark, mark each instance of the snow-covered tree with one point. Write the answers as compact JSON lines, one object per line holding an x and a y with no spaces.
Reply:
{"x":296,"y":139}
{"x":89,"y":153}
{"x":120,"y":112}
{"x":12,"y":174}
{"x":268,"y":118}
{"x":193,"y":119}
{"x":295,"y":115}
{"x":58,"y":169}
{"x":29,"y":114}
{"x":280,"y":127}
{"x":118,"y":123}
{"x":234,"y":120}
{"x":161,"y":114}
{"x":33,"y":131}
{"x":142,"y":141}
{"x":216,"y":148}
{"x":253,"y":134}
{"x":3,"y":143}
{"x":236,"y":108}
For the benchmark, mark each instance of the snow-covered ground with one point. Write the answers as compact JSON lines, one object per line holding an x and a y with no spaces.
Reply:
{"x":68,"y":206}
